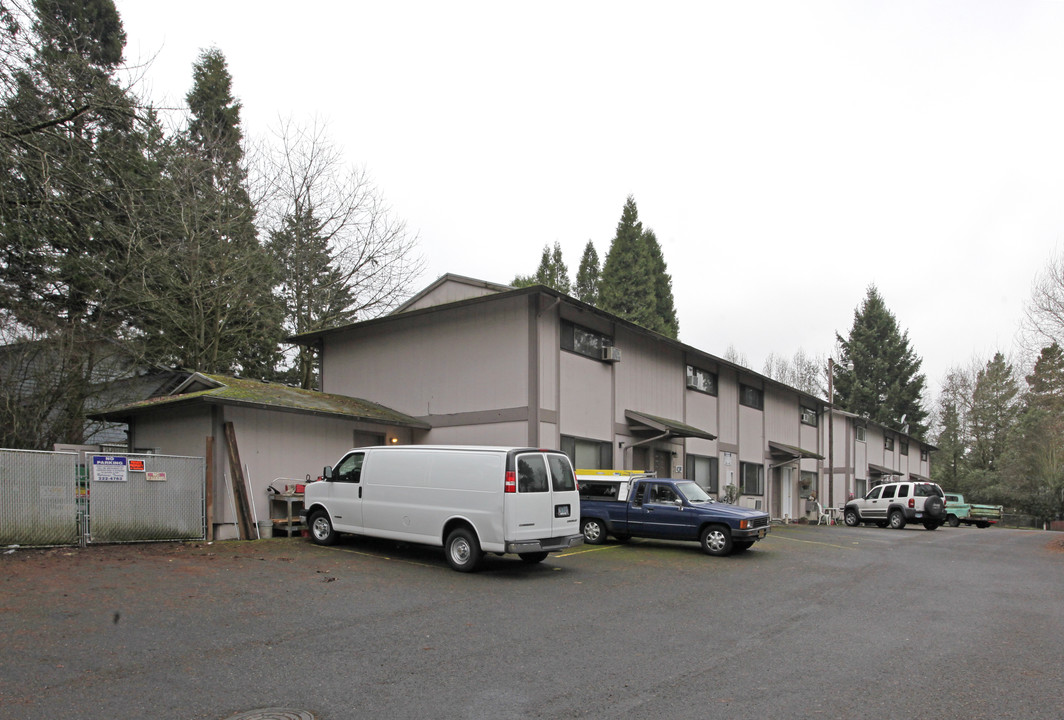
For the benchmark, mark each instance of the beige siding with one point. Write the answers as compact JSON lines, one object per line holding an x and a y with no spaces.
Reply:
{"x":751,"y":435}
{"x":502,"y":434}
{"x":586,"y":389}
{"x":453,"y":361}
{"x":728,"y":397}
{"x":650,"y":378}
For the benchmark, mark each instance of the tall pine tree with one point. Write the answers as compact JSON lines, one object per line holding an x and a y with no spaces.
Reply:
{"x":552,"y":271}
{"x":210,"y":304}
{"x":885,"y":383}
{"x":587,"y":276}
{"x":635,"y":284}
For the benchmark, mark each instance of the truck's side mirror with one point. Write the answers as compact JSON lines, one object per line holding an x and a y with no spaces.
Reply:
{"x":678,"y":502}
{"x":327,"y":473}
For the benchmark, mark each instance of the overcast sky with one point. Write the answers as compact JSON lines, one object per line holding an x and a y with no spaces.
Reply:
{"x":786,"y":154}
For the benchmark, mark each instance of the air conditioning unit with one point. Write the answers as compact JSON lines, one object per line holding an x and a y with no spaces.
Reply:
{"x":611,"y":354}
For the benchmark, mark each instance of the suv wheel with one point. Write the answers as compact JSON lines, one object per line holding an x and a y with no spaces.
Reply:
{"x":851,"y":517}
{"x":897,"y":519}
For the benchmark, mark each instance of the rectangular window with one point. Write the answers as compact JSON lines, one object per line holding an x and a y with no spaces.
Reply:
{"x":531,"y":474}
{"x":903,"y":491}
{"x":587,"y":454}
{"x":701,"y":380}
{"x":751,"y":478}
{"x":903,"y":447}
{"x":583,"y":341}
{"x":888,"y":443}
{"x":809,"y":416}
{"x":704,"y":471}
{"x":751,"y":397}
{"x":888,"y":491}
{"x":923,"y":454}
{"x":860,"y":433}
{"x":561,"y":474}
{"x":807,"y":485}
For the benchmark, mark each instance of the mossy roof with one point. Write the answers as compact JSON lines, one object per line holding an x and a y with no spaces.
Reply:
{"x":226,"y":390}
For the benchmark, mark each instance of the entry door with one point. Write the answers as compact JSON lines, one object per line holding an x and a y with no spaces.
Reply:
{"x":663,"y":463}
{"x":787,"y":492}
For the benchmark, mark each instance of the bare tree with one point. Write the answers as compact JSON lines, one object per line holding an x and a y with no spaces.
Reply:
{"x":734,"y":356}
{"x":802,"y":372}
{"x":343,"y":255}
{"x":1043,"y":321}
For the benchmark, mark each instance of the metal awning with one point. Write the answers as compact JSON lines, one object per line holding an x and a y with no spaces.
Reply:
{"x":880,"y":470}
{"x":642,"y":422}
{"x":919,"y":478}
{"x":791,"y":452}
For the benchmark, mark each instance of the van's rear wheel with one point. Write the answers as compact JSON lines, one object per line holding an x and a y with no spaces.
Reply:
{"x":535,"y":557}
{"x":594,"y":531}
{"x":463,"y":550}
{"x":321,"y":529}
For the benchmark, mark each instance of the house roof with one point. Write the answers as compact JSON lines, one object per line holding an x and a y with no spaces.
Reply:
{"x":225,"y":390}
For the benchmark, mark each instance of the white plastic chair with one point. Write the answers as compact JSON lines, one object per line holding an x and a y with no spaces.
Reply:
{"x":822,"y":515}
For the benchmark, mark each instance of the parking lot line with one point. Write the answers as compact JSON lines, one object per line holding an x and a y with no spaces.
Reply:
{"x":779,"y":536}
{"x":383,"y":557}
{"x":590,"y":549}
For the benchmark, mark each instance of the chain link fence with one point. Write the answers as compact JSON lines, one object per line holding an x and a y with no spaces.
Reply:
{"x":49,"y":498}
{"x":38,"y":498}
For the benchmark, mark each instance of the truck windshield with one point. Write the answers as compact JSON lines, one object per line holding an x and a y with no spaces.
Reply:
{"x":693,"y":492}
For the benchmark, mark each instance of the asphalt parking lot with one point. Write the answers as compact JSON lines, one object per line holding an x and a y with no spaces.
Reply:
{"x":825,"y":622}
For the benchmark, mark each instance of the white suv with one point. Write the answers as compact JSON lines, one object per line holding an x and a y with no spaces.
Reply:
{"x":898,"y":503}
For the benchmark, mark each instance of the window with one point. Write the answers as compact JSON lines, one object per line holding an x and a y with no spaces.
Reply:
{"x":807,"y":484}
{"x":888,"y":443}
{"x":873,"y":494}
{"x":531,"y":474}
{"x":662,"y":494}
{"x":640,"y":492}
{"x":587,"y":454}
{"x":751,"y":478}
{"x":583,"y":341}
{"x":704,"y":471}
{"x":923,"y":454}
{"x":903,"y":447}
{"x":903,"y":491}
{"x":350,"y":469}
{"x":751,"y":397}
{"x":809,"y":416}
{"x":561,"y":474}
{"x":860,"y":433}
{"x":888,"y":491}
{"x":701,"y":380}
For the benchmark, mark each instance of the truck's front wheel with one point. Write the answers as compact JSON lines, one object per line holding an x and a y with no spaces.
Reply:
{"x":716,"y":540}
{"x":594,"y":531}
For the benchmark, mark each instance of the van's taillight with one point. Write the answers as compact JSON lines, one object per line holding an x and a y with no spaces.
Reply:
{"x":511,"y":482}
{"x":912,"y":502}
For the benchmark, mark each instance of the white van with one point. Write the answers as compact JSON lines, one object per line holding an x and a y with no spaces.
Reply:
{"x":469,"y":500}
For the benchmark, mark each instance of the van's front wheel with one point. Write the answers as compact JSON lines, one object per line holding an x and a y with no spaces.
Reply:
{"x":463,"y":550}
{"x":321,"y":529}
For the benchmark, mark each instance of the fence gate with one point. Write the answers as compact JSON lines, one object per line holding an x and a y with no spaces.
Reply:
{"x":135,"y":498}
{"x":38,"y":498}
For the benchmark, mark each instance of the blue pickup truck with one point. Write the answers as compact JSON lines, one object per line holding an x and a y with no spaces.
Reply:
{"x":628,"y":504}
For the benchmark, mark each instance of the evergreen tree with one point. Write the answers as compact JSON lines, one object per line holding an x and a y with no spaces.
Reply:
{"x":311,"y":285}
{"x":665,"y":306}
{"x":1033,"y":462}
{"x":75,"y":178}
{"x":587,"y":277}
{"x":552,"y":271}
{"x":633,"y":276}
{"x":950,"y":466}
{"x":993,"y":412}
{"x":885,"y":383}
{"x":210,"y":304}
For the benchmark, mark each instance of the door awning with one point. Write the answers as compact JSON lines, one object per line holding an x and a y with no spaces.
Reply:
{"x":780,"y":451}
{"x":642,"y":422}
{"x":880,"y":470}
{"x":919,"y":478}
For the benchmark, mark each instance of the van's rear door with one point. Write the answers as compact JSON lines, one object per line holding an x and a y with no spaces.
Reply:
{"x":537,"y":511}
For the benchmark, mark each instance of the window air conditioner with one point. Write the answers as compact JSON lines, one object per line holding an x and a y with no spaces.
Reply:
{"x":611,"y":353}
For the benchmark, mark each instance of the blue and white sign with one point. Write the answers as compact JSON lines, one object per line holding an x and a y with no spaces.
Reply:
{"x":109,"y":468}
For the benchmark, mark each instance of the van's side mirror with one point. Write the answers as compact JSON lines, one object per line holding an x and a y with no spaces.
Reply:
{"x":327,"y":472}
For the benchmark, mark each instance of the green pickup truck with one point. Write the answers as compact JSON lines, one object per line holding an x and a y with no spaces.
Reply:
{"x":958,"y":511}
